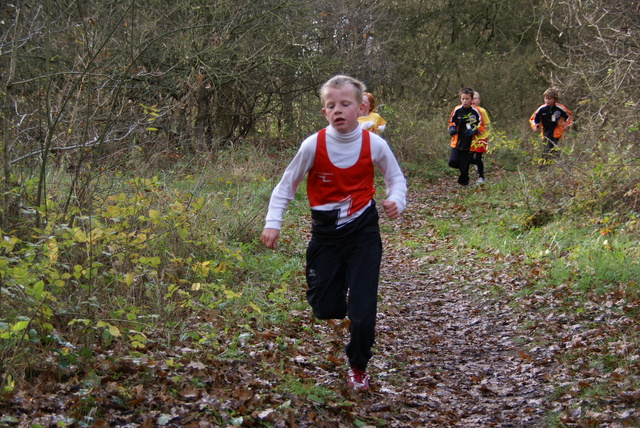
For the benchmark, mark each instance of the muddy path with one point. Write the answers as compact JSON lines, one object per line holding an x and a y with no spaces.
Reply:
{"x":445,"y":355}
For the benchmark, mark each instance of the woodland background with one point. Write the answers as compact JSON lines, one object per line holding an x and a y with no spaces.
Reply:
{"x":90,"y":86}
{"x":140,"y":140}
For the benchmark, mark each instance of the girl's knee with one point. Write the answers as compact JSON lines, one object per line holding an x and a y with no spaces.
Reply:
{"x":328,"y":314}
{"x":325,"y":307}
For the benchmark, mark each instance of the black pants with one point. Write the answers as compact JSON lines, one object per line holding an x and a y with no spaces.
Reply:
{"x":477,"y":160}
{"x":461,"y":159}
{"x":342,"y":278}
{"x":550,"y":150}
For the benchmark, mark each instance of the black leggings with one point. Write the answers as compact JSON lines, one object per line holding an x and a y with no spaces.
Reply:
{"x":461,"y":159}
{"x":342,"y":279}
{"x":477,"y":160}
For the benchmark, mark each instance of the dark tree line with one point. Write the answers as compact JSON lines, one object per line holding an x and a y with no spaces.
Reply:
{"x":86,"y":83}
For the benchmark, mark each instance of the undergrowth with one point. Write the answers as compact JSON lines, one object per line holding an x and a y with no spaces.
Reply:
{"x":127,"y":270}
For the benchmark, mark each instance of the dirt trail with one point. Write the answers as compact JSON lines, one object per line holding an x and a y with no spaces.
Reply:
{"x":444,"y":356}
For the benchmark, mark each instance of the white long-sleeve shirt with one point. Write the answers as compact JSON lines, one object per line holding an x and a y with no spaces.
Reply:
{"x":343,"y":150}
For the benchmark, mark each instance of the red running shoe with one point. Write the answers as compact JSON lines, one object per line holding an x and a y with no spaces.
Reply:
{"x":358,"y":380}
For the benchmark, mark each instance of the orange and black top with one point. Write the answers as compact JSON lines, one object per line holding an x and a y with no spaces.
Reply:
{"x":553,"y":120}
{"x":468,"y":123}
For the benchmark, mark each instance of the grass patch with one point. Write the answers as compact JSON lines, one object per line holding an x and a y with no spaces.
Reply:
{"x":313,"y":392}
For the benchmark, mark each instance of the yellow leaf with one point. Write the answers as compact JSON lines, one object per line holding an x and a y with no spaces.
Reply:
{"x":128,"y":279}
{"x":178,"y":207}
{"x":52,"y":246}
{"x":113,"y":211}
{"x":80,"y":236}
{"x":9,"y":384}
{"x":20,"y":325}
{"x":231,"y":294}
{"x":115,"y":331}
{"x":201,"y":268}
{"x":220,"y":268}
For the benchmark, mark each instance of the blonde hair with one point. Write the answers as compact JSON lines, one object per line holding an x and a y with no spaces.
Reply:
{"x":551,"y":93}
{"x":341,"y":80}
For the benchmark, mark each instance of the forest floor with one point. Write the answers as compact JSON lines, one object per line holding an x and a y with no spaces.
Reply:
{"x":449,"y":353}
{"x":457,"y":355}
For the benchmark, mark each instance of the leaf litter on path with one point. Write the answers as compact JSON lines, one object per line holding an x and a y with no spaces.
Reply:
{"x":443,"y":356}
